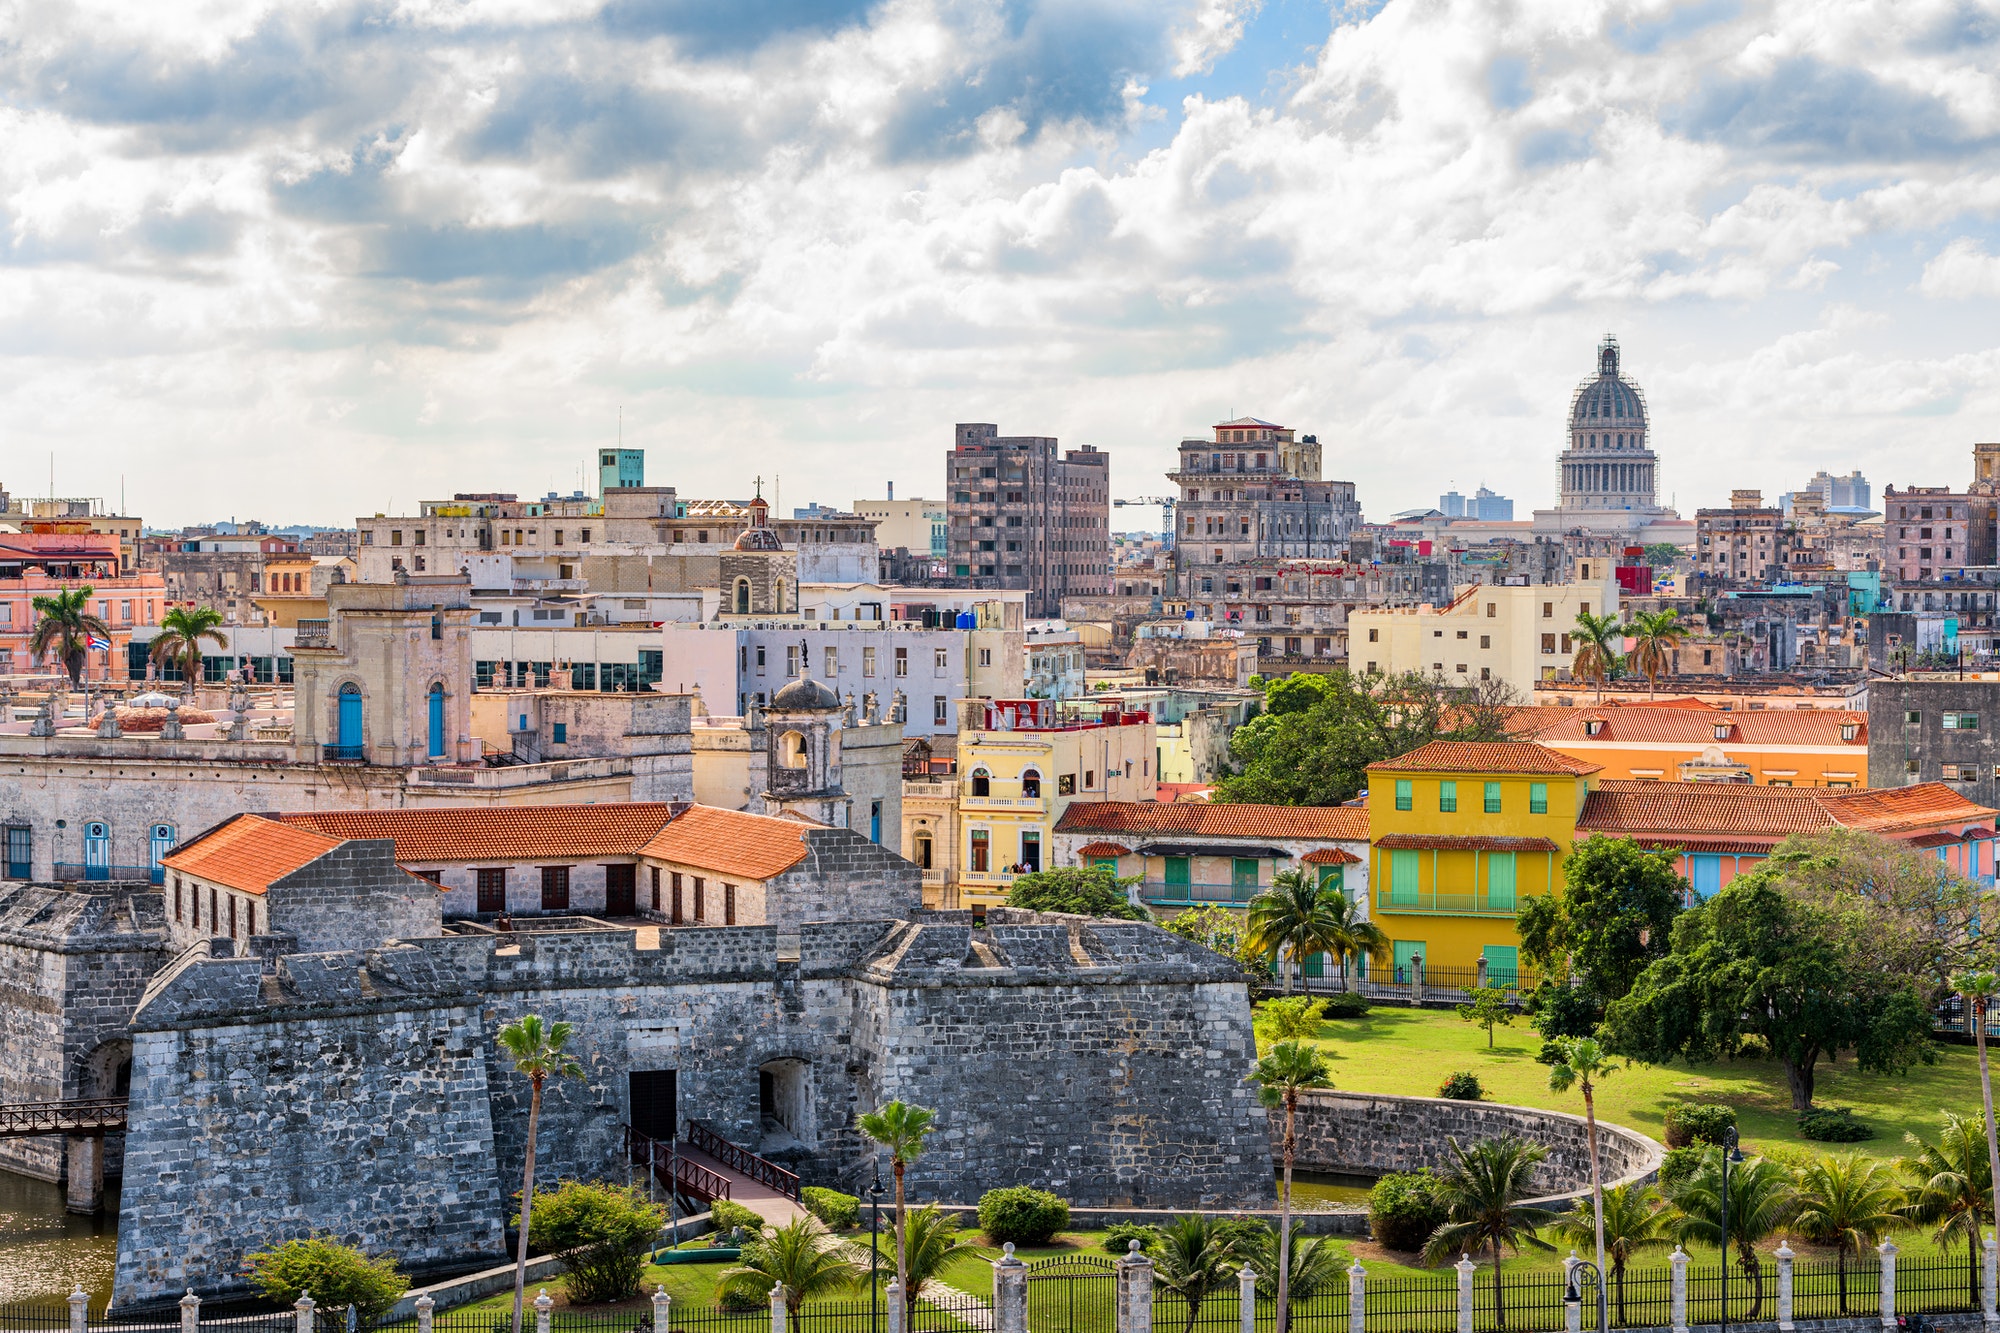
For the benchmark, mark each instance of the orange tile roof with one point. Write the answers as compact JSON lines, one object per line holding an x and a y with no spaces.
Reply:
{"x":1801,"y":727}
{"x":1485,"y":757}
{"x":732,"y":842}
{"x":1330,"y":856}
{"x":1103,"y":849}
{"x":1667,"y":811}
{"x":1455,"y":842}
{"x":1888,"y":809}
{"x":248,"y":852}
{"x":506,"y":833}
{"x":1346,"y":823}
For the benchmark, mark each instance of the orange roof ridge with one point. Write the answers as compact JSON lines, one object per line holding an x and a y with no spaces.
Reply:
{"x":522,"y":832}
{"x":249,"y":852}
{"x":732,"y":842}
{"x":1486,"y":757}
{"x":1341,"y":823}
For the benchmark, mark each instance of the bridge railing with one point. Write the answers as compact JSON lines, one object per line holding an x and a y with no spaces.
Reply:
{"x":76,"y":1116}
{"x":673,"y":1170}
{"x":760,"y":1169}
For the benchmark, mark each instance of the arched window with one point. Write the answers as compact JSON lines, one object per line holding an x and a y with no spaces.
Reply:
{"x":347,"y":734}
{"x":1031,"y":784}
{"x":161,"y":842}
{"x":982,"y":782}
{"x":792,"y":750}
{"x":743,"y":597}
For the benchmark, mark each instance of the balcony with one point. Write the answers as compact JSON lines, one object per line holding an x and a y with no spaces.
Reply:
{"x":1447,"y":904}
{"x":1157,"y":893}
{"x":343,"y":754}
{"x":521,"y":775}
{"x":311,"y":634}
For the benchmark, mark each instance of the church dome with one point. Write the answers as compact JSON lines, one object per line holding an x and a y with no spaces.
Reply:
{"x":759,"y":539}
{"x":804,"y":695}
{"x":1610,"y":399}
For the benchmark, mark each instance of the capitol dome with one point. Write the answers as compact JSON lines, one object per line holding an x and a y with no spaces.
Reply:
{"x":1610,"y":400}
{"x":1608,"y":466}
{"x":805,"y":695}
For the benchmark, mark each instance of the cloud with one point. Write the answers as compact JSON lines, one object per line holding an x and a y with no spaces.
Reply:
{"x":1213,"y":32}
{"x":1962,"y":270}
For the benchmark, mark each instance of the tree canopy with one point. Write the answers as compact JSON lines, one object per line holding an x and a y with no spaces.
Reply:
{"x":1614,"y":916}
{"x":1084,"y":890}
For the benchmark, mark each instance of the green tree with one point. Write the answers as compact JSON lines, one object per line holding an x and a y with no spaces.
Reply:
{"x":65,"y":626}
{"x":1631,"y":1222}
{"x":1083,"y":890}
{"x":1664,"y":555}
{"x":1485,"y":1192}
{"x":1221,"y":930}
{"x":934,"y":1241}
{"x":1294,"y":1019}
{"x":540,"y":1052}
{"x":1299,"y":918}
{"x":1761,"y":1200}
{"x":1978,"y":988}
{"x":1755,"y":960}
{"x":1193,"y":1258}
{"x":1583,"y":1064}
{"x":183,"y":629}
{"x":1614,"y":916}
{"x":1650,"y":640}
{"x":1488,"y":1010}
{"x":1313,"y":1265}
{"x":1849,"y":1202}
{"x":803,"y":1256}
{"x":902,"y":1129}
{"x":598,"y":1230}
{"x":1286,"y":1070}
{"x":1599,"y":645}
{"x":335,"y":1274}
{"x":1950,"y":1187}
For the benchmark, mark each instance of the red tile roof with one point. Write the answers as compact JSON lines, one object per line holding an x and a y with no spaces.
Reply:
{"x":1889,"y":809}
{"x":1103,"y":849}
{"x":1343,"y":823}
{"x":248,"y":852}
{"x":1486,"y":757}
{"x":1635,"y":725}
{"x":1451,"y":842}
{"x":507,"y":833}
{"x":732,"y":842}
{"x":1330,"y":856}
{"x":1674,"y":812}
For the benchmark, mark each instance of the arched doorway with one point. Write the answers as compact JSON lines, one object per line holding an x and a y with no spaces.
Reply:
{"x":784,"y":1101}
{"x":437,"y":721}
{"x":347,"y":734}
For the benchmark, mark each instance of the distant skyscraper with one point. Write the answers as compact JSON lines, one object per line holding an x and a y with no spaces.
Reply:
{"x":1451,"y":504}
{"x":1492,"y":508}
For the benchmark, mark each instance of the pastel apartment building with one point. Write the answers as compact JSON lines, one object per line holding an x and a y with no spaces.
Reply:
{"x":1519,"y":635}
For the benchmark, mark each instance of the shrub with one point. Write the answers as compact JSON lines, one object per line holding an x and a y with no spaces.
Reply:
{"x":1085,"y":890}
{"x":1245,"y":1236}
{"x":1296,"y":1018}
{"x":1834,"y":1124}
{"x":1023,"y":1215}
{"x":1693,"y":1123}
{"x":334,"y":1273}
{"x":1342,"y":1004}
{"x":839,"y":1211}
{"x":729,"y":1216}
{"x":1559,"y":1009}
{"x":1551,"y":1054}
{"x":1462,"y":1086}
{"x":1404,"y":1208}
{"x":599,"y":1231}
{"x":1676,"y":1167}
{"x":1118,"y":1237}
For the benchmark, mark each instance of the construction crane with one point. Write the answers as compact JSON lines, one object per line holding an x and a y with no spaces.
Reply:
{"x":1166,"y":504}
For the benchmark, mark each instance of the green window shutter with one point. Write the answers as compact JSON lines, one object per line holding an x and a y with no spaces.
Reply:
{"x":1500,"y":881}
{"x":1448,"y":798}
{"x":1503,"y":965}
{"x":1405,"y":796}
{"x":1177,"y":873}
{"x":1405,"y":952}
{"x":1403,"y":867}
{"x":1538,"y":798}
{"x":1492,"y":798}
{"x":1332,"y":877}
{"x":1097,"y":862}
{"x":1243,"y":873}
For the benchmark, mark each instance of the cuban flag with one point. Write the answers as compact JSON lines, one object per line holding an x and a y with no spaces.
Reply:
{"x":97,"y":643}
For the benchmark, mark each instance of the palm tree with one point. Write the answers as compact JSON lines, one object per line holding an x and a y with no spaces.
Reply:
{"x":1301,"y":918}
{"x":539,"y":1052}
{"x":1316,"y":1266}
{"x":1761,"y":1200}
{"x":1196,"y":1256}
{"x":934,"y":1241}
{"x":1979,"y":988}
{"x":1650,"y":637}
{"x":1351,"y":934}
{"x":182,"y":631}
{"x":1286,"y":1070}
{"x":1848,"y":1203}
{"x":1630,"y":1221}
{"x":1599,"y":642}
{"x":901,"y":1129}
{"x":1584,"y":1061}
{"x":802,"y":1256}
{"x":1951,"y":1184}
{"x":1482,"y":1191}
{"x":67,"y":626}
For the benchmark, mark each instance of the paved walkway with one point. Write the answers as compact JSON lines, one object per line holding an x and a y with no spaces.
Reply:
{"x":759,"y":1198}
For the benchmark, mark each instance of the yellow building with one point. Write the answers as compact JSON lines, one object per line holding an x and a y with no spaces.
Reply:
{"x":1486,"y":632}
{"x":1021,"y":763}
{"x":1459,"y":834}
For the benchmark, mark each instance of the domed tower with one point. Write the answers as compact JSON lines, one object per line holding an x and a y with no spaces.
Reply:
{"x":802,"y":754}
{"x":759,"y":576}
{"x":1608,"y":466}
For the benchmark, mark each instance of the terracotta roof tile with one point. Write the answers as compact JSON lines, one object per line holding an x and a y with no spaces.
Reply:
{"x":508,"y":833}
{"x":248,"y":852}
{"x":1674,"y":812}
{"x":1486,"y":757}
{"x":1103,"y":849}
{"x":1635,"y":725}
{"x":1450,"y":842}
{"x":1345,"y":823}
{"x":1887,"y":809}
{"x":1330,"y":856}
{"x":732,"y":842}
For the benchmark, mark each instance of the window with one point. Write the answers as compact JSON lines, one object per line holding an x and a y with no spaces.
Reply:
{"x":982,"y":782}
{"x":491,"y":890}
{"x":1492,"y":798}
{"x":1461,"y":634}
{"x":792,"y":660}
{"x":1374,"y":636}
{"x":986,"y":657}
{"x":868,"y":662}
{"x":981,"y":850}
{"x":1961,"y":721}
{"x":940,"y":710}
{"x":656,"y":888}
{"x":1448,"y":798}
{"x":829,"y":660}
{"x":1486,"y":641}
{"x":1548,"y":643}
{"x":677,"y":915}
{"x":1913,"y":717}
{"x":728,"y":909}
{"x":700,"y":898}
{"x":1031,"y":784}
{"x":555,"y":888}
{"x":1548,"y":610}
{"x":1065,"y":784}
{"x":902,"y":661}
{"x":1538,"y":798}
{"x":1405,"y":795}
{"x":940,"y":660}
{"x":560,"y":735}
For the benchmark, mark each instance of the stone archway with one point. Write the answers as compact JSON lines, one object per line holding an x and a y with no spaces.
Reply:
{"x":785,"y":1103}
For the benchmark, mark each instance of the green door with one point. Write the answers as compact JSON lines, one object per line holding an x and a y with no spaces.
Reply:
{"x":1503,"y":965}
{"x":1332,"y":877}
{"x":1405,"y":951}
{"x":1315,"y":966}
{"x":1243,"y":879}
{"x":1403,"y":868}
{"x":1177,"y":877}
{"x":1500,"y":881}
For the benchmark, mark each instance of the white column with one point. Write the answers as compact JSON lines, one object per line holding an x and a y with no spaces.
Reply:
{"x":1784,"y":1257}
{"x":190,"y":1312}
{"x":663,"y":1305}
{"x":1679,"y":1298}
{"x":79,"y":1310}
{"x":1989,"y":1309}
{"x":543,"y":1304}
{"x":426,"y":1311}
{"x":1135,"y":1292}
{"x":1887,"y":1249}
{"x":778,"y":1308}
{"x":893,"y":1298}
{"x":1010,"y":1294}
{"x":1357,"y":1296}
{"x":303,"y":1308}
{"x":1246,"y":1299}
{"x":1465,"y":1268}
{"x":1572,"y":1309}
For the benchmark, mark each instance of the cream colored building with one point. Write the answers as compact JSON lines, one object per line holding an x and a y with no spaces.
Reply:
{"x":930,"y":835}
{"x":914,"y":525}
{"x":1517,"y":635}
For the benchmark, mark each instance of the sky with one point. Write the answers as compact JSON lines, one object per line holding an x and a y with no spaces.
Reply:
{"x":313,"y":260}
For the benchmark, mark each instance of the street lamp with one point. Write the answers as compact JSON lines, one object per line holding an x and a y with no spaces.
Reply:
{"x":1573,"y":1296}
{"x":1730,"y":1153}
{"x":874,"y":1243}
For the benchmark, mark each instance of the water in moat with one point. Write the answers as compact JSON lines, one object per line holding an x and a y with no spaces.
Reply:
{"x":46,"y":1253}
{"x":1327,"y":1189}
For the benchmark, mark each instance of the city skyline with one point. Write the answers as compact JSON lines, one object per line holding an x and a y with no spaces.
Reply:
{"x":409,"y":250}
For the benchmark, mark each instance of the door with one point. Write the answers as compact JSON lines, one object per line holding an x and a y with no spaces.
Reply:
{"x":1177,"y":877}
{"x":1403,"y":870}
{"x":1707,"y":877}
{"x":1406,"y":953}
{"x":162,"y":842}
{"x":348,"y":733}
{"x":1243,"y":879}
{"x":437,"y":722}
{"x":1500,"y":881}
{"x":1503,"y":965}
{"x":655,"y":1108}
{"x":1031,"y":852}
{"x":20,"y":852}
{"x":96,"y":851}
{"x":621,"y":895}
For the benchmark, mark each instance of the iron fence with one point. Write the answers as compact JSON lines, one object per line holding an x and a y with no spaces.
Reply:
{"x":1072,"y":1292}
{"x":1937,"y":1286}
{"x":1837,"y":1289}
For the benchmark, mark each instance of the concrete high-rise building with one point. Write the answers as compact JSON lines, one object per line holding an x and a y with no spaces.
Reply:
{"x":619,"y":468}
{"x":1024,"y":517}
{"x":1490,"y":507}
{"x":1254,"y":493}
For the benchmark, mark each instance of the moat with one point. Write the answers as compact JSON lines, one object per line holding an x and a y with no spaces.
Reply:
{"x":46,"y":1253}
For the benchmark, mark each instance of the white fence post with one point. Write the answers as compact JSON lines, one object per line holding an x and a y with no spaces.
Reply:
{"x":1246,"y":1299}
{"x":1010,"y":1293}
{"x":1572,"y":1309}
{"x":778,"y":1308}
{"x":663,"y":1306}
{"x":79,"y":1303}
{"x":1784,"y":1257}
{"x":303,"y":1312}
{"x":190,"y":1312}
{"x":1357,"y":1298}
{"x":1678,"y":1301}
{"x":1887,"y":1249}
{"x":543,"y":1304}
{"x":1135,"y":1292}
{"x":1989,"y":1308}
{"x":893,"y":1296}
{"x":1465,"y":1268}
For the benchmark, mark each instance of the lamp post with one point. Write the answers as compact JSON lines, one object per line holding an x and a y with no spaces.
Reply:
{"x":1730,"y":1154}
{"x":1573,"y":1296}
{"x":874,"y":1242}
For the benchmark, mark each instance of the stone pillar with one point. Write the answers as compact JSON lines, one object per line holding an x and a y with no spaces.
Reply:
{"x":302,"y":1312}
{"x":662,"y":1308}
{"x":1479,"y":972}
{"x":1988,"y":1307}
{"x":893,"y":1298}
{"x":1246,"y":1299}
{"x":542,"y":1307}
{"x":1417,"y":980}
{"x":1010,"y":1293}
{"x":1465,"y":1268}
{"x":190,"y":1312}
{"x":1572,"y":1309}
{"x":1785,"y":1257}
{"x":1135,"y":1292}
{"x":778,"y":1308}
{"x":79,"y":1311}
{"x":427,"y":1311}
{"x":1679,"y":1299}
{"x":85,"y":1153}
{"x":1357,"y":1298}
{"x":1887,"y":1249}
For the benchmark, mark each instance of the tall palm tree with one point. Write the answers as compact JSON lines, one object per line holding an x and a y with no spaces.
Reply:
{"x":1287,"y":1069}
{"x":182,"y":631}
{"x":1630,"y":1222}
{"x":1978,"y":988}
{"x":802,"y":1256}
{"x":67,"y":626}
{"x":1761,"y":1200}
{"x":901,"y":1128}
{"x":1314,"y":1267}
{"x":1583,"y":1063}
{"x":1950,"y":1183}
{"x":934,"y":1241}
{"x":539,"y":1051}
{"x":1599,"y":645}
{"x":1196,"y":1257}
{"x":1650,"y":637}
{"x":1483,"y":1192}
{"x":1299,"y":917}
{"x":1351,"y":935}
{"x":1849,"y":1203}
